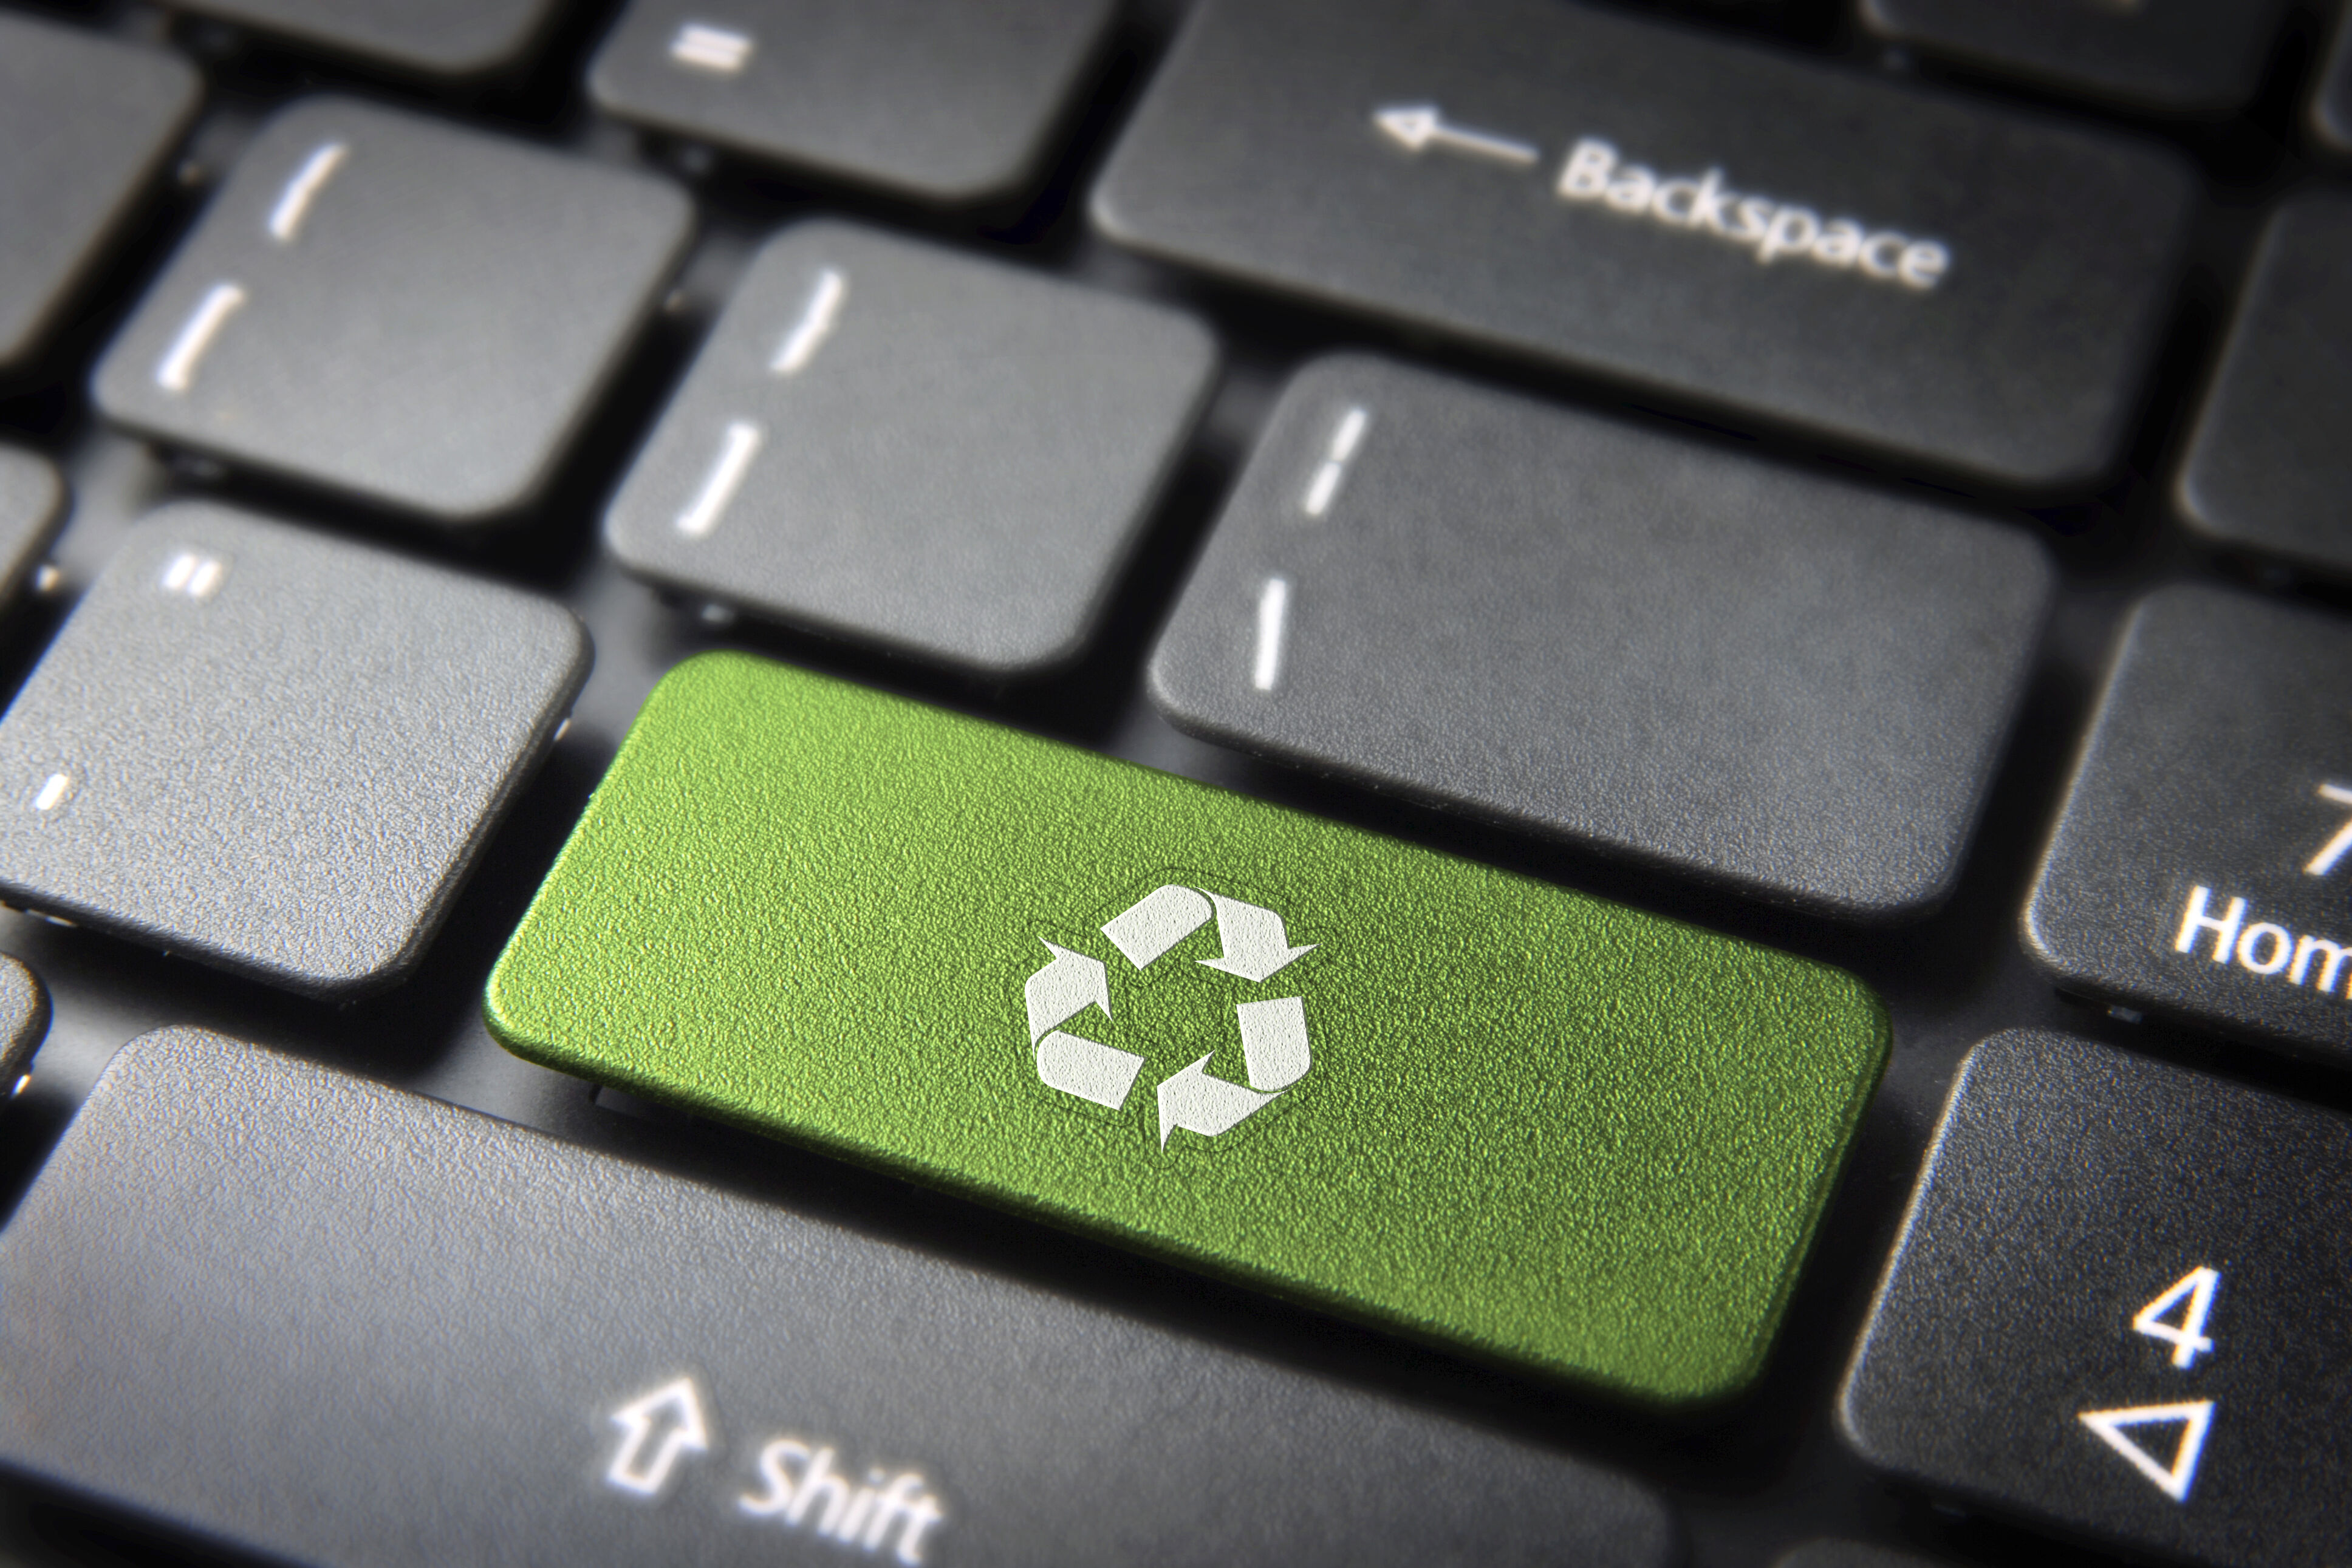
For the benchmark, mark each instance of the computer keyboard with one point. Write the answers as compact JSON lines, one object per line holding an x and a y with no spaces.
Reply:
{"x":1745,"y":966}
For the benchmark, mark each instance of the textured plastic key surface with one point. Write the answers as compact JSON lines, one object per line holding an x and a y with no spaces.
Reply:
{"x":1769,"y":679}
{"x":1847,"y":1555}
{"x":2219,"y":761}
{"x":272,"y":751}
{"x":1408,"y":1088}
{"x":24,"y":1020}
{"x":437,"y":38}
{"x":416,"y":314}
{"x":32,"y":504}
{"x":2271,"y":461}
{"x":2181,"y":55}
{"x":345,"y":1325}
{"x":893,"y":442}
{"x":85,"y":121}
{"x":2115,"y":1304}
{"x":1966,"y":287}
{"x":944,"y":100}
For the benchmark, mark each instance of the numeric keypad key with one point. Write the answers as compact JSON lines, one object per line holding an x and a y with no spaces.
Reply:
{"x":2271,"y":458}
{"x":2201,"y":865}
{"x":2108,"y":1308}
{"x":2190,"y":55}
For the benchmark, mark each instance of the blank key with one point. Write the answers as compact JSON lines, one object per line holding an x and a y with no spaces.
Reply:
{"x":86,"y":120}
{"x":275,"y":752}
{"x":436,"y":37}
{"x":416,"y":315}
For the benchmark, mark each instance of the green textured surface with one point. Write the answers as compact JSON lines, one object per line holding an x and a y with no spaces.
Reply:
{"x":1553,"y":1129}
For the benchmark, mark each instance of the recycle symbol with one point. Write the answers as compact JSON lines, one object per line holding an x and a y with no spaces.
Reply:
{"x":1273,"y":1032}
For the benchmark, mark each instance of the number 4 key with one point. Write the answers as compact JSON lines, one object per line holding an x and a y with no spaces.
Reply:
{"x":2195,"y":1288}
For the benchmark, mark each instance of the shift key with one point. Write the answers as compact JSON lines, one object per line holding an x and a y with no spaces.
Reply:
{"x":1972,"y":288}
{"x":1451,"y":1102}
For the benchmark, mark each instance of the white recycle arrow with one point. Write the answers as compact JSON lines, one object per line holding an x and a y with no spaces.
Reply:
{"x":1063,"y":988}
{"x":1257,"y":947}
{"x":1275,"y":1051}
{"x":1076,"y":1065}
{"x":1191,"y":1100}
{"x":1418,"y":126}
{"x":1156,"y":922}
{"x":657,"y":1429}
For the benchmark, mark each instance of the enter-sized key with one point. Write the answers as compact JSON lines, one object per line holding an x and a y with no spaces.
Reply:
{"x":1588,"y":630}
{"x":1965,"y":286}
{"x":1418,"y":1091}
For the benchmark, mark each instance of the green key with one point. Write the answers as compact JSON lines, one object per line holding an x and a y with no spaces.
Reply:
{"x":1452,"y":1101}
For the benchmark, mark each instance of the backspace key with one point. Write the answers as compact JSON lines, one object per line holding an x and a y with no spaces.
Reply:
{"x":1971,"y":288}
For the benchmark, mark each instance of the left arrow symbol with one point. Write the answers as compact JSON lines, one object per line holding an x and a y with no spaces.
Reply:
{"x":657,"y":1429}
{"x":1418,"y":126}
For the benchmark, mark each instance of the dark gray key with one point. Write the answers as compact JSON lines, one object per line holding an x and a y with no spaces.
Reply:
{"x":86,"y":122}
{"x":1963,"y":285}
{"x":346,"y":1325}
{"x":2271,"y":463}
{"x":893,"y":442}
{"x":2188,"y":55}
{"x":437,"y":37}
{"x":23,"y":1021}
{"x":944,"y":100}
{"x":418,"y":315}
{"x":1605,"y":634}
{"x":2331,"y":102}
{"x":32,"y":504}
{"x":1846,"y":1554}
{"x":2200,"y":866}
{"x":2117,"y":1305}
{"x":275,"y":752}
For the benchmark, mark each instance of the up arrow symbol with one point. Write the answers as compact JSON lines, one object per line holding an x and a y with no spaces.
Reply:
{"x":657,"y":1428}
{"x":1257,"y":947}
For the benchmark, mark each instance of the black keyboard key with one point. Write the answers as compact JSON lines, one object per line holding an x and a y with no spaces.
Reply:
{"x":2114,"y":1307}
{"x":2331,"y":103}
{"x":85,"y":121}
{"x":944,"y":100}
{"x":2186,"y":56}
{"x":1611,"y":636}
{"x":32,"y":504}
{"x":1964,"y":286}
{"x":1029,"y":420}
{"x":1846,"y":1554}
{"x":434,"y":37}
{"x":2201,"y":865}
{"x":341,"y":1324}
{"x":416,"y":314}
{"x":2271,"y":463}
{"x":23,"y":1021}
{"x":275,"y":752}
